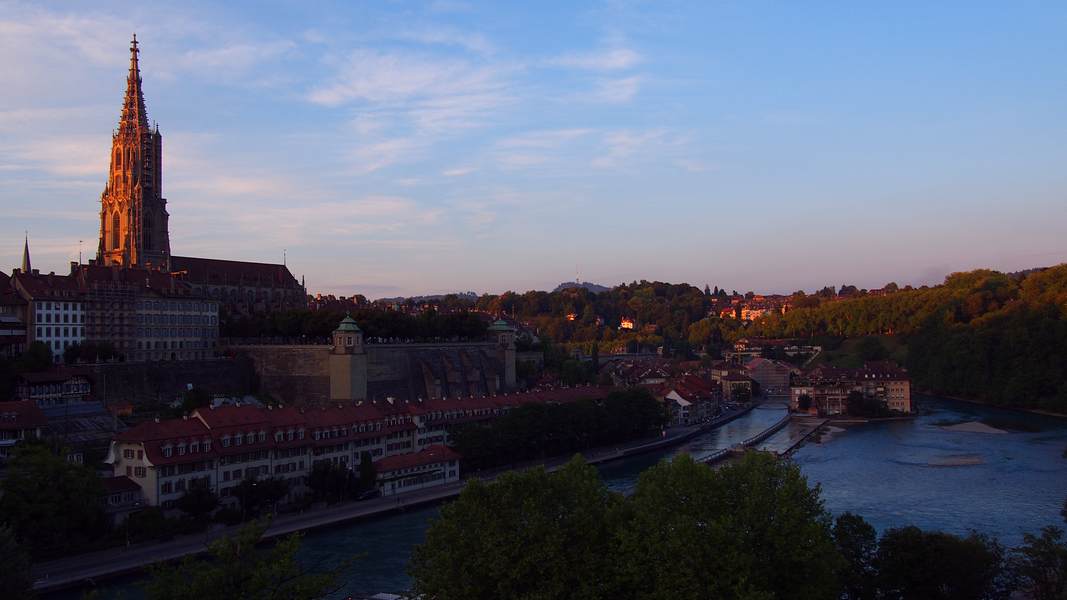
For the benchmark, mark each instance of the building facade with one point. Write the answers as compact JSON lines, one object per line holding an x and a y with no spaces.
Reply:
{"x":55,"y":310}
{"x":825,"y":390}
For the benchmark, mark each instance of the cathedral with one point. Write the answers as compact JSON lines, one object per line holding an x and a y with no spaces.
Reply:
{"x":135,"y":228}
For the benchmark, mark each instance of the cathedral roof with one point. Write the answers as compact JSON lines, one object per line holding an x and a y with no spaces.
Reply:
{"x":214,"y":271}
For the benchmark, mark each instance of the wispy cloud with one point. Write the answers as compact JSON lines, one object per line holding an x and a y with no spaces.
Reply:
{"x":611,"y":59}
{"x":616,"y":91}
{"x":458,"y":171}
{"x":535,"y":147}
{"x":620,"y":146}
{"x":447,"y":36}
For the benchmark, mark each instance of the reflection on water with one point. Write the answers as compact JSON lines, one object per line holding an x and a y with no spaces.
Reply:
{"x":894,"y":474}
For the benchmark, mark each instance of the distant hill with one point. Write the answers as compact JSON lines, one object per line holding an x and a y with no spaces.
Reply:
{"x":592,"y":287}
{"x":469,"y":296}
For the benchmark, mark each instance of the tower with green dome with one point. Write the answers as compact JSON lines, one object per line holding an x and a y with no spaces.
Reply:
{"x":348,"y":363}
{"x":504,"y":335}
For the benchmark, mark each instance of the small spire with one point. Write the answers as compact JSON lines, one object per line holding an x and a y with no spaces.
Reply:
{"x":26,"y":266}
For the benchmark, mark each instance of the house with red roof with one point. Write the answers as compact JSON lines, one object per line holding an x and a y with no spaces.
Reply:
{"x":432,"y":466}
{"x":20,"y":421}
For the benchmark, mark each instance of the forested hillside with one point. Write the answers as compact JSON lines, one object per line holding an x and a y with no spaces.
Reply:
{"x":982,"y":334}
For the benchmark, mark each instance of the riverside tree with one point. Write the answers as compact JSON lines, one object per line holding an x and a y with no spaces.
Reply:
{"x":530,"y":534}
{"x":754,"y":530}
{"x":237,"y":569}
{"x":53,"y":506}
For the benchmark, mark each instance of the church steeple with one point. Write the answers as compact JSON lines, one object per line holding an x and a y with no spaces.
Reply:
{"x":134,"y":113}
{"x":26,"y":266}
{"x":134,"y":223}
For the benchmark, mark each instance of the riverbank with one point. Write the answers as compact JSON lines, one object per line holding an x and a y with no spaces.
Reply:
{"x":77,"y":570}
{"x":983,"y":403}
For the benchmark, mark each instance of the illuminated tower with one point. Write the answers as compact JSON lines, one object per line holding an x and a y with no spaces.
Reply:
{"x":134,"y":229}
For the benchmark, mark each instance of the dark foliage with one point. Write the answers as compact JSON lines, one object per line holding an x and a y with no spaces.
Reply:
{"x":540,"y":431}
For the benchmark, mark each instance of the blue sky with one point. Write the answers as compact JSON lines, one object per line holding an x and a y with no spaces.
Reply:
{"x":420,"y":147}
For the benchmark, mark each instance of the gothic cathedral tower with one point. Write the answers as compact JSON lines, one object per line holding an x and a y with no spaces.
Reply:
{"x":134,"y":229}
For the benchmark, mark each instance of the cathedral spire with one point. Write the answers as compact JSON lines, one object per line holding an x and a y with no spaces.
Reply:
{"x":134,"y":113}
{"x":26,"y":255}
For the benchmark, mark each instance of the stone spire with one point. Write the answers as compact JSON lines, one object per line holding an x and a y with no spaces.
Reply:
{"x":134,"y":113}
{"x":26,"y":266}
{"x":134,"y":223}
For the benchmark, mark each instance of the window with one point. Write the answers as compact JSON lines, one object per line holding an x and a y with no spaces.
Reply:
{"x":115,"y":231}
{"x":181,"y":449}
{"x":225,"y":441}
{"x":262,"y":435}
{"x":140,"y":471}
{"x":207,"y":445}
{"x":167,"y":450}
{"x":127,"y":453}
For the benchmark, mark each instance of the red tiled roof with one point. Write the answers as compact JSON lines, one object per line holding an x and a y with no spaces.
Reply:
{"x":117,"y":485}
{"x":48,"y":286}
{"x":432,"y":454}
{"x":20,"y":414}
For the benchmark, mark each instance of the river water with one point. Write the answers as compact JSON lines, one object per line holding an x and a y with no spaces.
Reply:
{"x":893,"y":474}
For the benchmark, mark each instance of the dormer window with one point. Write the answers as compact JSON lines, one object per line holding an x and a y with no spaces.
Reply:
{"x":278,"y":436}
{"x":167,"y":451}
{"x":207,"y":445}
{"x":181,"y":449}
{"x":194,"y":446}
{"x":250,"y":438}
{"x":301,"y":433}
{"x":262,"y":435}
{"x":237,"y":439}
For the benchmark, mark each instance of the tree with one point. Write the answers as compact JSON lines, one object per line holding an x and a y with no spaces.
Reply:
{"x":237,"y":569}
{"x":195,"y":398}
{"x":36,"y":358}
{"x":1041,"y":564}
{"x":15,"y":581}
{"x":529,"y":534}
{"x":52,"y":506}
{"x":198,"y":500}
{"x":749,"y":530}
{"x":72,"y":353}
{"x":857,"y":543}
{"x":940,"y":566}
{"x":368,"y":474}
{"x":254,"y":494}
{"x":328,"y":481}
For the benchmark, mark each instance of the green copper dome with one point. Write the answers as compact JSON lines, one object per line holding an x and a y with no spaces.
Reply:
{"x":348,"y":324}
{"x":500,"y":325}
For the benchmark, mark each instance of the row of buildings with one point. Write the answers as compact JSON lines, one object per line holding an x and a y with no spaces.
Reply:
{"x":221,"y":447}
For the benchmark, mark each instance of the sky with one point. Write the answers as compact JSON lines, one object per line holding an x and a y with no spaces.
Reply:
{"x":410,"y":147}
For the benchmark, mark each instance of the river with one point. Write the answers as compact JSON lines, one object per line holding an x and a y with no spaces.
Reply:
{"x":894,"y":474}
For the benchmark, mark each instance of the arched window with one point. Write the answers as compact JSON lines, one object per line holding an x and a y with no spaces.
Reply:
{"x":115,"y":231}
{"x":118,"y":158}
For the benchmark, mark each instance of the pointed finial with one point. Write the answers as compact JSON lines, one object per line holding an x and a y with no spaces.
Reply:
{"x":26,"y":266}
